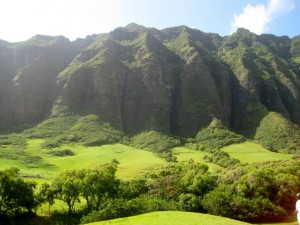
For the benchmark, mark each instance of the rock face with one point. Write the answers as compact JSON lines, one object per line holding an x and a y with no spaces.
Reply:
{"x":174,"y":80}
{"x":28,"y":78}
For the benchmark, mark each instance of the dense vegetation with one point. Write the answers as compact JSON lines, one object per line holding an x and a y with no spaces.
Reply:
{"x":88,"y":130}
{"x":214,"y":137}
{"x":278,"y":134}
{"x":253,"y":193}
{"x":150,"y":89}
{"x":156,"y":142}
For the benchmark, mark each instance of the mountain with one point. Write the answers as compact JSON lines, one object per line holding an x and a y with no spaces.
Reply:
{"x":175,"y":80}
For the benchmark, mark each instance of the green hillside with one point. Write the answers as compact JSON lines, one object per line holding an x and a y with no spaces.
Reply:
{"x":172,"y":218}
{"x":37,"y":161}
{"x":252,"y":152}
{"x":140,"y":120}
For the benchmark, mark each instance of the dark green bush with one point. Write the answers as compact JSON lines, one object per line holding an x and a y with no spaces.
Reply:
{"x":154,"y":141}
{"x":215,"y":136}
{"x":221,"y":158}
{"x":278,"y":134}
{"x":123,"y":208}
{"x":222,"y":202}
{"x":65,"y":152}
{"x":16,"y":140}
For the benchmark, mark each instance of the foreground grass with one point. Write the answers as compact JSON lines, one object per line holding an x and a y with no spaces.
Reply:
{"x":172,"y":218}
{"x":251,"y":152}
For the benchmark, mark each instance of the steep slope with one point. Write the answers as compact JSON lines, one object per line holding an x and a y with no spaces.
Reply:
{"x":29,"y":75}
{"x":132,"y":80}
{"x":126,"y":77}
{"x":204,"y":83}
{"x":175,"y":81}
{"x":264,"y":79}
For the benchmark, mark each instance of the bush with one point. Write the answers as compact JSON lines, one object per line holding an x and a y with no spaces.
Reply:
{"x":91,"y":131}
{"x":221,"y":158}
{"x":216,"y":136}
{"x":121,"y":208}
{"x":278,"y":134}
{"x":221,"y":202}
{"x":66,"y":152}
{"x":88,"y":130}
{"x":154,"y":141}
{"x":16,"y":140}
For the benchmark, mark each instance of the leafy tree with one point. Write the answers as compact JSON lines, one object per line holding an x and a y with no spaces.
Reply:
{"x":66,"y":187}
{"x":46,"y":194}
{"x":133,"y":188}
{"x":259,"y":192}
{"x":198,"y":180}
{"x":97,"y":184}
{"x":16,"y":195}
{"x":189,"y":202}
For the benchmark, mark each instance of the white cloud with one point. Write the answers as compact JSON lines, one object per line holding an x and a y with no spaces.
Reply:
{"x":256,"y":18}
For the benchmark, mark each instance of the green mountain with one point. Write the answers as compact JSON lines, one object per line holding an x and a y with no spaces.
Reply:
{"x":174,"y":81}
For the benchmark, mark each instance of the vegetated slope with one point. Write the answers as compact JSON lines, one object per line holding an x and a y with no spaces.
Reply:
{"x":28,"y":77}
{"x":173,"y":81}
{"x":172,"y":218}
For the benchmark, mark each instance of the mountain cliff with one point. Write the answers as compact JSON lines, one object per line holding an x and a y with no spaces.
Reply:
{"x":175,"y":80}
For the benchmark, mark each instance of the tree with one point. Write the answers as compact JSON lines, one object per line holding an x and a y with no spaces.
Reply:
{"x":99,"y":183}
{"x":16,"y":195}
{"x":66,"y":187}
{"x":46,"y":194}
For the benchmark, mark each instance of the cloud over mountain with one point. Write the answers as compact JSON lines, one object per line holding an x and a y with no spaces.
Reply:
{"x":257,"y":18}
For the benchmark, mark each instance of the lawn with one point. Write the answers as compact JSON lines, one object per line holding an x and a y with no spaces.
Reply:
{"x":251,"y":152}
{"x":37,"y":163}
{"x":184,"y":154}
{"x":172,"y":218}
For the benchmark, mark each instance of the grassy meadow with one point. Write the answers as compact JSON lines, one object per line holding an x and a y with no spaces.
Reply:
{"x":252,"y":152}
{"x":172,"y":218}
{"x":37,"y":162}
{"x":179,"y":218}
{"x":40,"y":164}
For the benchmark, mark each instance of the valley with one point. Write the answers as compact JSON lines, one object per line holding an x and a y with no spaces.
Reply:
{"x":141,"y":122}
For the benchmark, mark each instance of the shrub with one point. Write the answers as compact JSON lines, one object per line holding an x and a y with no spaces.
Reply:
{"x":278,"y":134}
{"x":154,"y":141}
{"x":16,"y":140}
{"x":221,"y":202}
{"x":221,"y":158}
{"x":216,"y":136}
{"x":66,"y":152}
{"x":121,"y":208}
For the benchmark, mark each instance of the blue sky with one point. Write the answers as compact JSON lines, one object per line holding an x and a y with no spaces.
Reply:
{"x":20,"y":19}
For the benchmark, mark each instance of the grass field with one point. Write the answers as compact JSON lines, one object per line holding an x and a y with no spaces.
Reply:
{"x":184,"y":154}
{"x":252,"y":152}
{"x":172,"y":218}
{"x":37,"y":163}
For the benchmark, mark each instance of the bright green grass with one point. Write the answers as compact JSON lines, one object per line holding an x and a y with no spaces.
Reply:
{"x":184,"y":154}
{"x":252,"y":152}
{"x":132,"y":161}
{"x":172,"y":218}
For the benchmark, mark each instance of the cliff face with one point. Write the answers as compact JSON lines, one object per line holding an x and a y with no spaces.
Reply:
{"x":28,"y":78}
{"x":174,"y":80}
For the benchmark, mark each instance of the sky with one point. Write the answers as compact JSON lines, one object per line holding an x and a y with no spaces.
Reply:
{"x":22,"y":19}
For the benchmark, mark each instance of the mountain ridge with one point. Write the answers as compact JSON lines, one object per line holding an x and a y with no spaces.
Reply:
{"x":175,"y":80}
